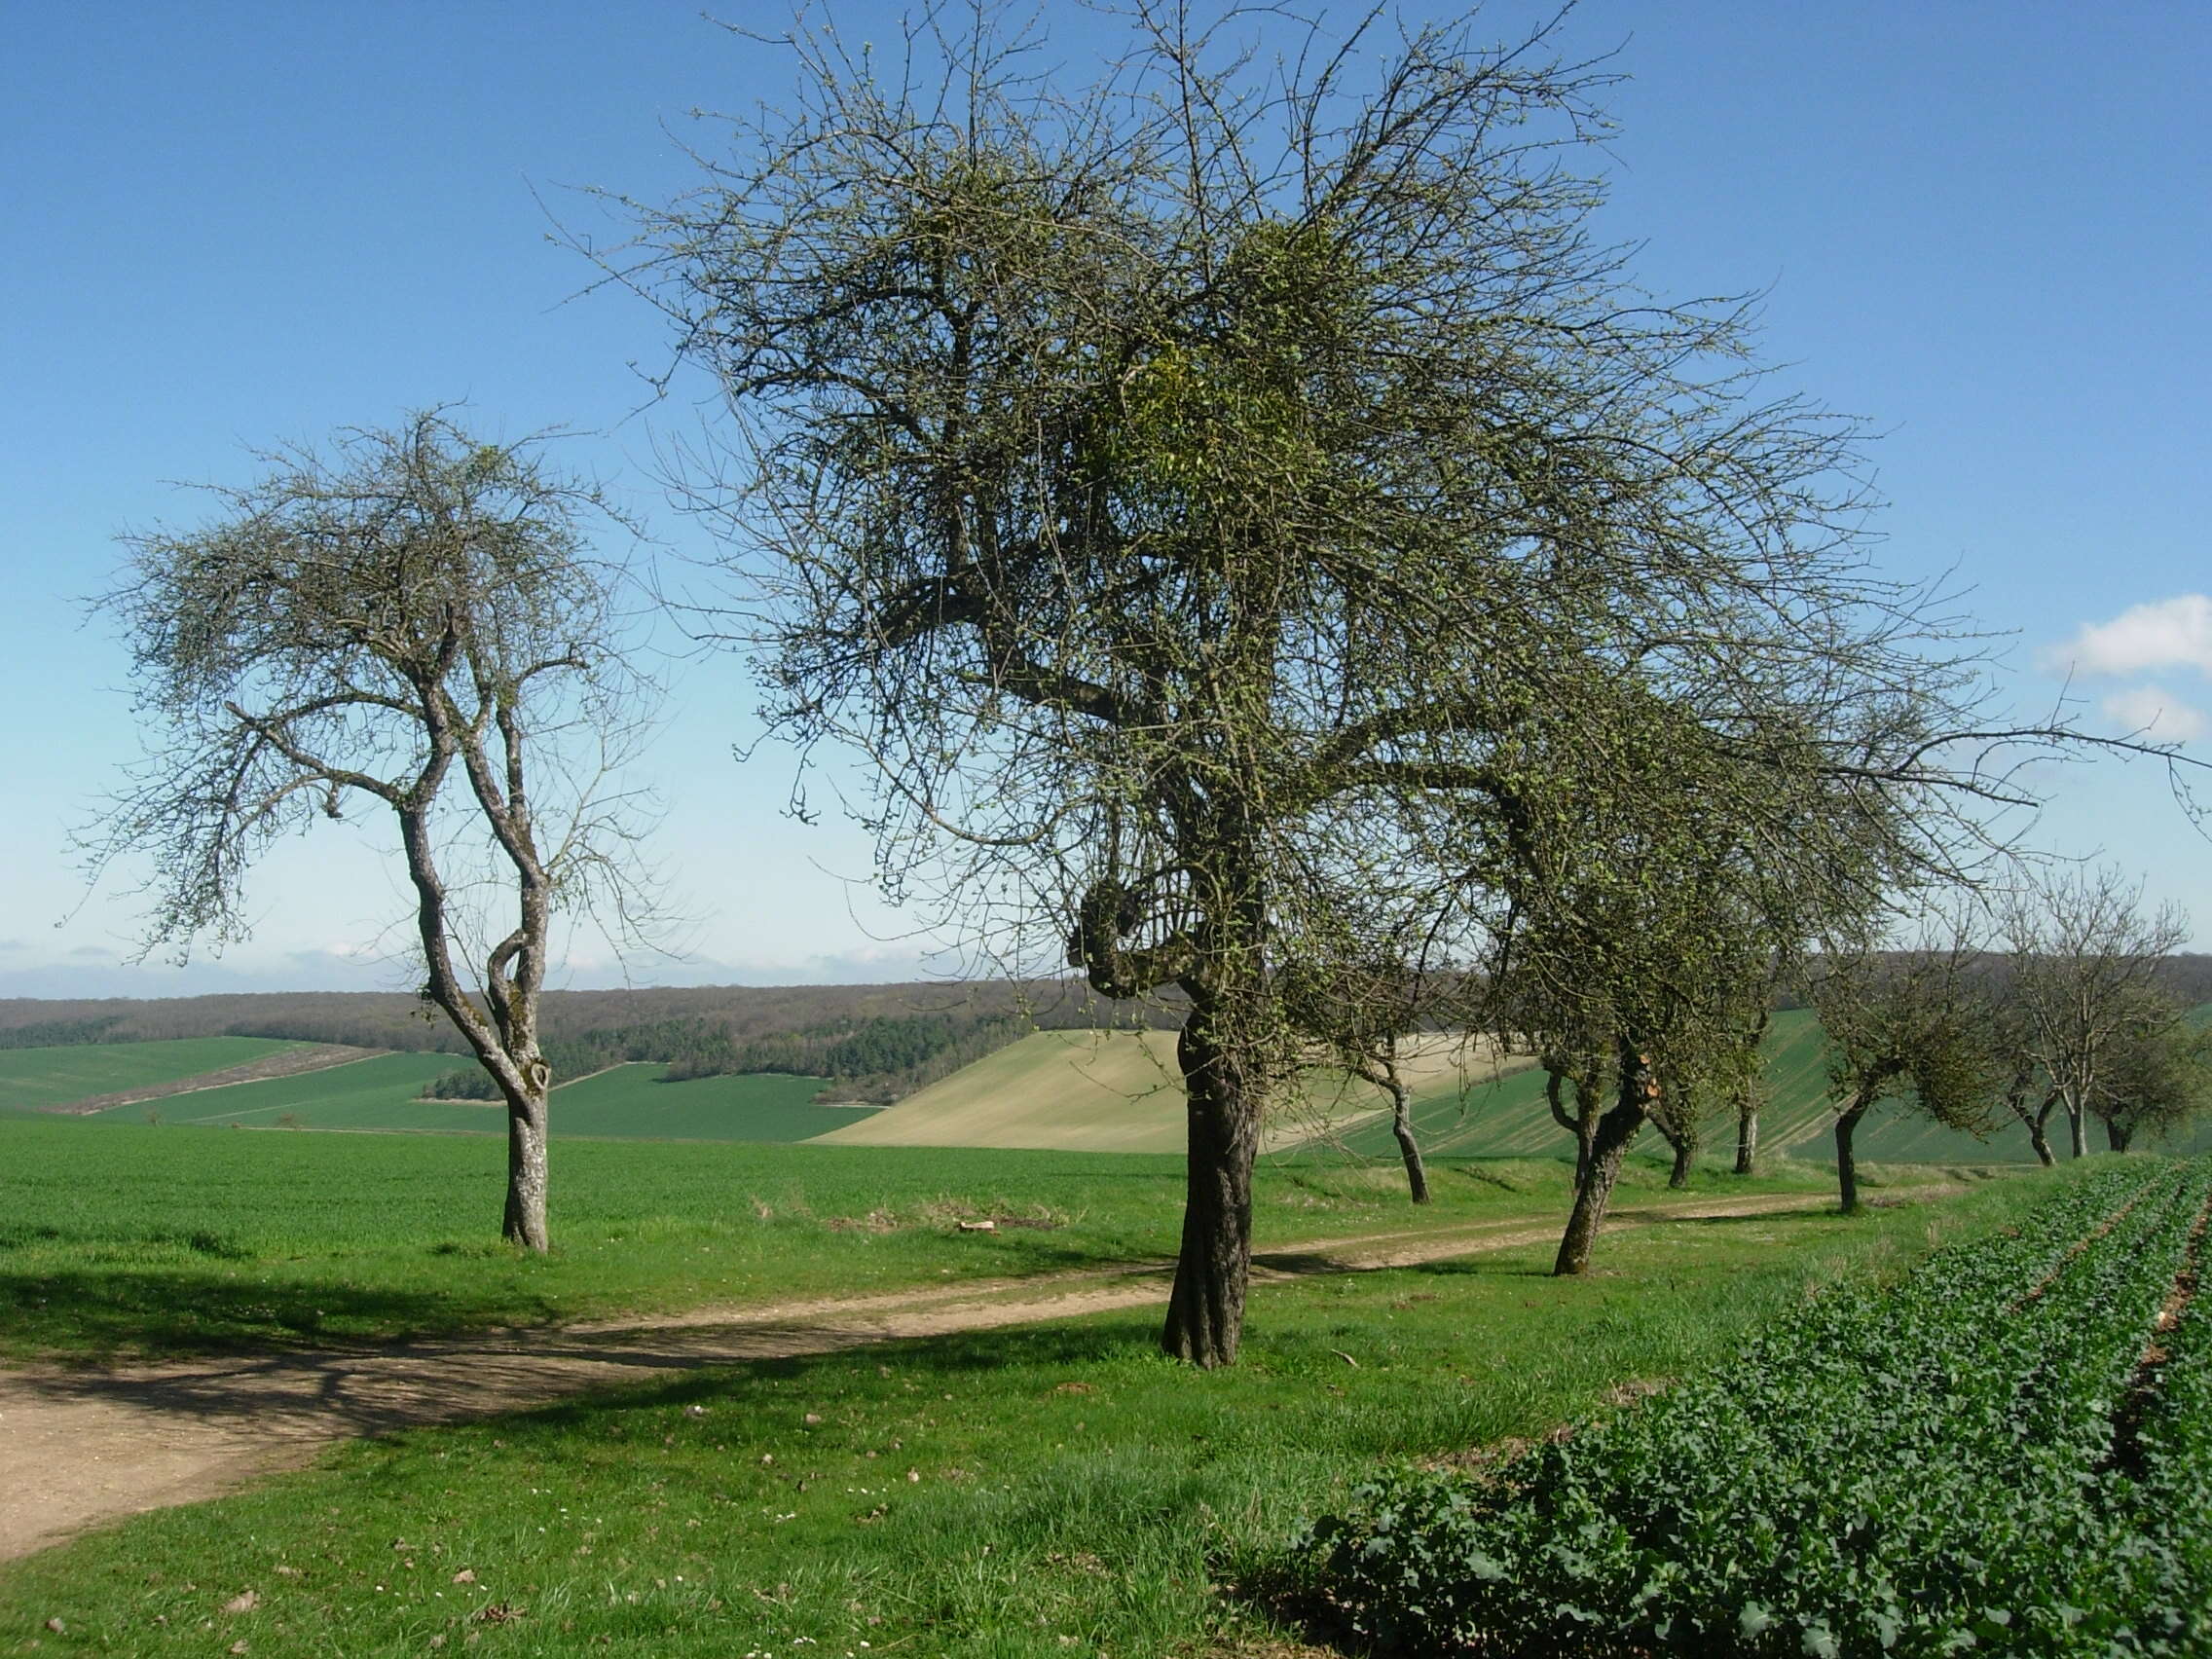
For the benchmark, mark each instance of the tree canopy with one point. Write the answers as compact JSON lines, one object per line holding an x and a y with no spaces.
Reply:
{"x":1217,"y":498}
{"x":415,"y":621}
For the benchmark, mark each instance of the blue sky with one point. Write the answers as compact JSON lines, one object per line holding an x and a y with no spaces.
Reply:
{"x":1984,"y":227}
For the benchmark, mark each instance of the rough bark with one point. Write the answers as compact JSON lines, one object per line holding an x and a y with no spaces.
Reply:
{"x":1681,"y":1133}
{"x":1409,"y":1148}
{"x":2116,"y":1137}
{"x":527,"y":1172}
{"x":1638,"y":1088}
{"x":1846,"y":1163}
{"x":2041,"y":1141}
{"x":2077,"y":1130}
{"x":1205,"y":1311}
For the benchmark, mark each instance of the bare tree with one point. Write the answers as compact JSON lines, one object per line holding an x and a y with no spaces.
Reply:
{"x":1181,"y":488}
{"x":2083,"y":953}
{"x":417,"y":621}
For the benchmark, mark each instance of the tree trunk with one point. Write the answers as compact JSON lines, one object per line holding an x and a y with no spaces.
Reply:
{"x":2078,"y":1129}
{"x":1205,"y":1311}
{"x":1402,"y":1126}
{"x":1686,"y":1155}
{"x":1614,"y":1131}
{"x":527,"y":1176}
{"x":1846,"y":1165}
{"x":1682,"y":1139}
{"x":2036,"y":1122}
{"x":1582,"y":1125}
{"x":1747,"y":1091}
{"x":2115,"y":1136}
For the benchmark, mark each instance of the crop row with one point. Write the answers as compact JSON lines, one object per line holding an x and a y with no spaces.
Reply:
{"x":1926,"y":1469}
{"x":2155,"y":1571}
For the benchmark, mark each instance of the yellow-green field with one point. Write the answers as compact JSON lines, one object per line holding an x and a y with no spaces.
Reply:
{"x":1118,"y":1092}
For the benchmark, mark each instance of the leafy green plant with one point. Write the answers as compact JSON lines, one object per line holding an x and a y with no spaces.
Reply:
{"x":1915,"y":1470}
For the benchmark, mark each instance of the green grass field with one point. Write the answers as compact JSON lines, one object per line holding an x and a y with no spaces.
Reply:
{"x":1007,"y":1494}
{"x":167,"y":1237}
{"x":33,"y":1078}
{"x":631,"y":1101}
{"x":375,"y":1093}
{"x":1050,"y":1090}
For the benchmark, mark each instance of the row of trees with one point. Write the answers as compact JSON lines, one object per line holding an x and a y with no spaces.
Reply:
{"x":1261,"y":543}
{"x":2062,"y":1013}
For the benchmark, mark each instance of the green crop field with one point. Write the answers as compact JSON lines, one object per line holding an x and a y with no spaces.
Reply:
{"x":633,"y":1103}
{"x":1510,"y":1119}
{"x":1924,"y":1467}
{"x":375,"y":1093}
{"x":32,"y":1078}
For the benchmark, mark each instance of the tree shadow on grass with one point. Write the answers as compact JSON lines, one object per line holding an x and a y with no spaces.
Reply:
{"x":87,"y":1313}
{"x":314,"y":1396}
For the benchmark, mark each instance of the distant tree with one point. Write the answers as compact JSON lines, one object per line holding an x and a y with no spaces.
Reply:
{"x":1651,"y":884}
{"x":1180,"y":488}
{"x":1912,"y":1027}
{"x":2157,"y":1074}
{"x":1749,"y":1023}
{"x":1360,"y":1014}
{"x":415,"y":620}
{"x":2083,"y":953}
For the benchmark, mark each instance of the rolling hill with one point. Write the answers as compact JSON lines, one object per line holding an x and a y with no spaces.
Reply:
{"x":1114,"y":1092}
{"x":34,"y":1079}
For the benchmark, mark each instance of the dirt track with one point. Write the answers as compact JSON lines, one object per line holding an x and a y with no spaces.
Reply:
{"x":79,"y":1447}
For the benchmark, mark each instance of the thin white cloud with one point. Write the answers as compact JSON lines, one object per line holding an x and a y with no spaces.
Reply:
{"x":2167,"y":633}
{"x":2157,"y":715}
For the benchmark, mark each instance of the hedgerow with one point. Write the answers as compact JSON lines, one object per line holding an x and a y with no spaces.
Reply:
{"x":1925,"y":1470}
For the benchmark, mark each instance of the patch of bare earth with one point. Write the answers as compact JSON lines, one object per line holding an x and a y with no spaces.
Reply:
{"x":284,"y":1063}
{"x":85,"y":1445}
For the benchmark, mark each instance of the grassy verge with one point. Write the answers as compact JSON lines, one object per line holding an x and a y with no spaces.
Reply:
{"x":122,"y":1239}
{"x":1052,"y":1490}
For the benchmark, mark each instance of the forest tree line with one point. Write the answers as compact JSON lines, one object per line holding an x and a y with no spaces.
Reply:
{"x":870,"y":1043}
{"x":880,"y":1059}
